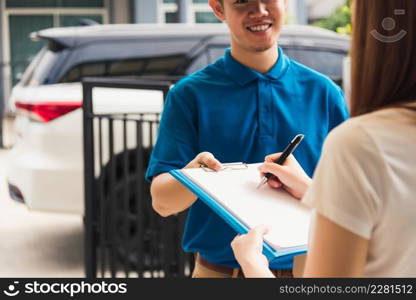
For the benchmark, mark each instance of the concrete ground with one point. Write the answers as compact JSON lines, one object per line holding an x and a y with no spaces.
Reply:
{"x":36,"y":244}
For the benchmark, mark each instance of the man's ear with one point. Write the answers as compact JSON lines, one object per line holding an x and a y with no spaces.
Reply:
{"x":217,"y":8}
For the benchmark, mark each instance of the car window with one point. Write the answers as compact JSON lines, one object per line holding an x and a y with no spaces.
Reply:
{"x":140,"y":66}
{"x":39,"y":70}
{"x":325,"y":61}
{"x":150,"y":55}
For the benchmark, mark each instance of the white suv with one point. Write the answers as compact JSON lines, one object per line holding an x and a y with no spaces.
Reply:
{"x":45,"y":170}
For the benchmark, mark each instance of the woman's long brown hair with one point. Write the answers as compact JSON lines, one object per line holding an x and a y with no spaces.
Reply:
{"x":383,"y":73}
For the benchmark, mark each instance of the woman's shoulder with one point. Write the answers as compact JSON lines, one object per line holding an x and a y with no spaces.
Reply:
{"x":373,"y":124}
{"x":350,"y":134}
{"x":372,"y":133}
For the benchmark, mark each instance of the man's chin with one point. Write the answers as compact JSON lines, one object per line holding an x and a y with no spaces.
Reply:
{"x":262,"y":48}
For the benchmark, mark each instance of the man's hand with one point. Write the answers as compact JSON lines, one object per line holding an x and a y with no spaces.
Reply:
{"x":205,"y":159}
{"x":169,"y":196}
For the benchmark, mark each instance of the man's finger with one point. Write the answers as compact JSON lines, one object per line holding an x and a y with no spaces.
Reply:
{"x":207,"y":159}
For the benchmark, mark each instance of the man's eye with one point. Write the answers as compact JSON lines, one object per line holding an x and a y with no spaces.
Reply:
{"x":240,"y":1}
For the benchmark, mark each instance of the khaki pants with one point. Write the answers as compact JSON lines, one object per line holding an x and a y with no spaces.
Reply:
{"x":201,"y":271}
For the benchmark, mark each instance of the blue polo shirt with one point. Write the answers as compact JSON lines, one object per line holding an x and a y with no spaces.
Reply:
{"x":239,"y":114}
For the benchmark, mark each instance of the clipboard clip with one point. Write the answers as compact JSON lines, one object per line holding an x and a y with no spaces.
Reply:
{"x":228,"y":167}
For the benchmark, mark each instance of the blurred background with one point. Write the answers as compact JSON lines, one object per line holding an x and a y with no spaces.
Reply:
{"x":50,"y":244}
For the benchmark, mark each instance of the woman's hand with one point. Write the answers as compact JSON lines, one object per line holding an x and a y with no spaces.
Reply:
{"x":290,"y":175}
{"x":248,"y":252}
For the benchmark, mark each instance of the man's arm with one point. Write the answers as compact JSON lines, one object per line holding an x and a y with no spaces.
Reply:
{"x":169,"y":196}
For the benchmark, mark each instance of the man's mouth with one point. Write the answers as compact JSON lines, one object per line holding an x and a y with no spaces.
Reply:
{"x":259,"y":28}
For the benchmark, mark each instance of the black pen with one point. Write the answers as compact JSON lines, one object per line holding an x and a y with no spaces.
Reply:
{"x":288,"y":150}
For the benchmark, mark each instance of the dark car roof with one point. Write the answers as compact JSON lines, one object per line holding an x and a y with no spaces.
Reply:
{"x":175,"y":49}
{"x":217,"y":33}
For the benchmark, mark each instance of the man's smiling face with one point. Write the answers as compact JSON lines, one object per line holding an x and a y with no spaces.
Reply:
{"x":255,"y":25}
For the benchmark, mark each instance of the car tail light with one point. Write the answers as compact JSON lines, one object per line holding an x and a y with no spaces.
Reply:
{"x":47,"y":111}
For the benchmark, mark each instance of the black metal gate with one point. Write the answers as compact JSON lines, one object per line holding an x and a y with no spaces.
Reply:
{"x":124,"y":237}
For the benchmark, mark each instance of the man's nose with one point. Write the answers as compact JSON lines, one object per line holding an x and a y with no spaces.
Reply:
{"x":258,"y":9}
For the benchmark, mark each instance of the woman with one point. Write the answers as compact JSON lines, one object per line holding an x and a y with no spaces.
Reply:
{"x":364,"y":188}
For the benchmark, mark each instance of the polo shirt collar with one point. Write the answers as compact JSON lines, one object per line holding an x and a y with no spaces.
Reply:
{"x":243,"y":75}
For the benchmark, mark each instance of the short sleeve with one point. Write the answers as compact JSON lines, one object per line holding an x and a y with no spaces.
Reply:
{"x":338,"y":109}
{"x":348,"y":181}
{"x":176,"y":143}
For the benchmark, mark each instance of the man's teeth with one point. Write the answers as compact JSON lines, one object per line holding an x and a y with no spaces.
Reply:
{"x":259,"y":28}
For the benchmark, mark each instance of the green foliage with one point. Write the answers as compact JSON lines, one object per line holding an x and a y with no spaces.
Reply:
{"x":339,"y":21}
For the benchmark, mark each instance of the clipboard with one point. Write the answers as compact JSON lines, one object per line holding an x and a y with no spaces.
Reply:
{"x":232,"y":194}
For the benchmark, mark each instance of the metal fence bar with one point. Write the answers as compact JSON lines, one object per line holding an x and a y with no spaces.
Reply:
{"x":154,"y":242}
{"x":139,"y":199}
{"x":89,"y":219}
{"x":103,"y":218}
{"x":112,"y":199}
{"x":126,"y":199}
